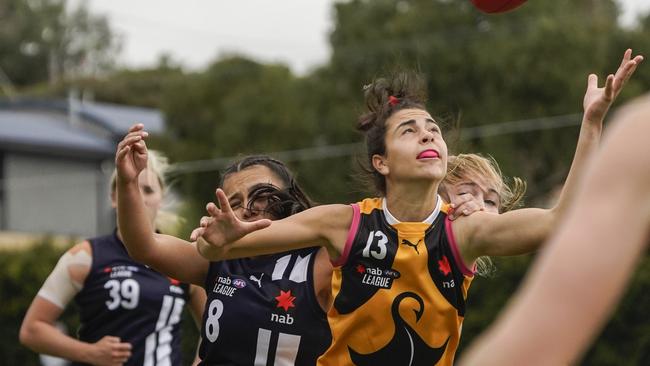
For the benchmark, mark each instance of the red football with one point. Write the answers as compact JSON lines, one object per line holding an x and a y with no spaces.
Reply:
{"x":496,"y":6}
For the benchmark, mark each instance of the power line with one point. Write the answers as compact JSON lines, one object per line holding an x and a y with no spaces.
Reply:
{"x":330,"y":151}
{"x":310,"y":153}
{"x":527,"y":125}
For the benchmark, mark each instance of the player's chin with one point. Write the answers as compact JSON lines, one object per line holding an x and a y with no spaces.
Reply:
{"x":434,"y":171}
{"x":429,"y":175}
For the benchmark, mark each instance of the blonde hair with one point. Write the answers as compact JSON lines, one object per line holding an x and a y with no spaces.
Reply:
{"x":462,"y":166}
{"x":158,"y":164}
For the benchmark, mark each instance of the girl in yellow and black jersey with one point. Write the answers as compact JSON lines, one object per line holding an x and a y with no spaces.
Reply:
{"x":402,"y":269}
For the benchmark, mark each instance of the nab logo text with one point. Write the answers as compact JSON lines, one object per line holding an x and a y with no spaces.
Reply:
{"x":282,"y":319}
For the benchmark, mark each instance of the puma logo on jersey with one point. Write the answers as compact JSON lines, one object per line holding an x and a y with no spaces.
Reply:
{"x":414,"y":246}
{"x":257,"y":280}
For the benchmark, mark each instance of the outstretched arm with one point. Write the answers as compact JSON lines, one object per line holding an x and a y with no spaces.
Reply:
{"x":224,"y":236}
{"x":170,"y":255}
{"x":596,"y":104}
{"x":522,"y":231}
{"x":564,"y":319}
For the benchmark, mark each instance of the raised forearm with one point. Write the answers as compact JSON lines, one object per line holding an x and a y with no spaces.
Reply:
{"x":133,"y":222}
{"x":588,"y":141}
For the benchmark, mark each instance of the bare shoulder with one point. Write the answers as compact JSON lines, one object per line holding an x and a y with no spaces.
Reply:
{"x":330,"y":217}
{"x":83,"y":246}
{"x":331,"y":223}
{"x":338,"y":215}
{"x":466,"y":230}
{"x":79,"y":261}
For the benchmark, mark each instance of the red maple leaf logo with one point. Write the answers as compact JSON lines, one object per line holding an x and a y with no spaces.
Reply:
{"x":285,"y":300}
{"x":443,"y":265}
{"x":361,"y":268}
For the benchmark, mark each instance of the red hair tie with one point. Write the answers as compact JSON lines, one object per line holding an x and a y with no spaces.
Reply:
{"x":393,"y":100}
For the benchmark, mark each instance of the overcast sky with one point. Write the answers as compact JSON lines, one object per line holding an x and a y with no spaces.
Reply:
{"x":195,"y":32}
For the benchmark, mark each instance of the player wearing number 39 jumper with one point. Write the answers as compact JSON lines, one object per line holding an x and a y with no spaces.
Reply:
{"x":130,"y":314}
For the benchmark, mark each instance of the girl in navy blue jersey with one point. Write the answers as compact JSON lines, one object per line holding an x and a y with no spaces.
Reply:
{"x":130,"y":313}
{"x":266,"y":310}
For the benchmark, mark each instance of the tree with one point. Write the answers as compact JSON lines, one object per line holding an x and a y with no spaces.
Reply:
{"x":40,"y":40}
{"x":525,"y":64}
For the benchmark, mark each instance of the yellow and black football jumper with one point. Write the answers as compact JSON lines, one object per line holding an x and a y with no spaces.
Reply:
{"x":399,"y":291}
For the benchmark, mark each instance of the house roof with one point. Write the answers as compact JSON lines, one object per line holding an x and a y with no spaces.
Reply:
{"x":119,"y":118}
{"x":45,"y":126}
{"x":35,"y":131}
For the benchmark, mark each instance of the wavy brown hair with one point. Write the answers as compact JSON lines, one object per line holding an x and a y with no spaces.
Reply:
{"x":281,"y":201}
{"x":383,"y":97}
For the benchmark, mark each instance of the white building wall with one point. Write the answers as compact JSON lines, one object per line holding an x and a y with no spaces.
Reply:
{"x":55,"y":195}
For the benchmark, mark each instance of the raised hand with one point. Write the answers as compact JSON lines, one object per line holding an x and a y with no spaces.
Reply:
{"x":598,"y":100}
{"x":131,"y":155}
{"x":110,"y":351}
{"x":222,"y":228}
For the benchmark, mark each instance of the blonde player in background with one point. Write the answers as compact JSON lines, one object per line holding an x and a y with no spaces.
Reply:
{"x":129,"y":313}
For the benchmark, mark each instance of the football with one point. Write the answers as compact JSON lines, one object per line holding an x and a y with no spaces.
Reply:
{"x":496,"y":6}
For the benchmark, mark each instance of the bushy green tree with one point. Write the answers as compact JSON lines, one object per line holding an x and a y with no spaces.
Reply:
{"x":237,"y":106}
{"x":529,"y":63}
{"x":481,"y":69}
{"x":22,"y":272}
{"x":43,"y":40}
{"x":485,"y":69}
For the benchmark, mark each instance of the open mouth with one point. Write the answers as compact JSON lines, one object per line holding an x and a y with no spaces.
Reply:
{"x":428,"y":154}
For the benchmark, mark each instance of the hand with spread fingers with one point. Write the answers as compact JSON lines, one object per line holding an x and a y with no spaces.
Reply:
{"x":597,"y":101}
{"x":223,"y":228}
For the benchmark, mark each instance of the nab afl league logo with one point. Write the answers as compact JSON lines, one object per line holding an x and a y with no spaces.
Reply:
{"x":239,"y":283}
